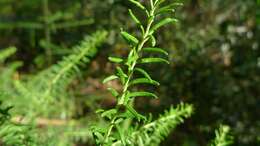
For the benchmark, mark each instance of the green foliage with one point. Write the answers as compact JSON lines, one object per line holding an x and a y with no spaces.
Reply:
{"x":56,"y":78}
{"x":4,"y":54}
{"x":10,"y":133}
{"x":42,"y":91}
{"x":153,"y":132}
{"x":16,"y":135}
{"x":223,"y":137}
{"x":49,"y":86}
{"x":4,"y":112}
{"x":214,"y":64}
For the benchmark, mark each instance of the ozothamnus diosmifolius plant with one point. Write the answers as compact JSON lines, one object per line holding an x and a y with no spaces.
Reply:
{"x":127,"y":126}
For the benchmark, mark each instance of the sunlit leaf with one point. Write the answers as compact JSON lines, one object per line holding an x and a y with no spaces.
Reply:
{"x":152,"y":40}
{"x":140,"y":94}
{"x":138,"y":4}
{"x":129,"y":38}
{"x":113,"y":91}
{"x":109,"y":113}
{"x":135,"y":113}
{"x":121,"y":135}
{"x":5,"y":53}
{"x":144,"y":81}
{"x":168,"y":8}
{"x":109,"y":78}
{"x":158,"y":50}
{"x":142,"y":71}
{"x":154,"y":60}
{"x":121,"y":74}
{"x":115,"y":59}
{"x":162,"y":23}
{"x":137,"y":21}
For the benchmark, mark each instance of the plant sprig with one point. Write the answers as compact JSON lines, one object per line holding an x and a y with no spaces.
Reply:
{"x":223,"y":136}
{"x":128,"y":67}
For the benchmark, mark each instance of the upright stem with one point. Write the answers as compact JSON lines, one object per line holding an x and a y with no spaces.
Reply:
{"x":139,"y":47}
{"x":47,"y":30}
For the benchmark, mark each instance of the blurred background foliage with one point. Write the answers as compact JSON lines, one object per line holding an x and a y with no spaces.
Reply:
{"x":214,"y":54}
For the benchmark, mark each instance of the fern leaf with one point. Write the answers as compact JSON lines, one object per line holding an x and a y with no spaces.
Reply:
{"x":45,"y":87}
{"x":58,"y":76}
{"x":4,"y":54}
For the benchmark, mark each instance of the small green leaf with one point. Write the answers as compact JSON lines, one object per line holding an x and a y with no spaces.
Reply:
{"x":144,"y":73}
{"x":139,"y":94}
{"x":159,"y":50}
{"x":136,"y":20}
{"x":138,"y":4}
{"x":100,"y":111}
{"x":152,"y":40}
{"x":99,"y":137}
{"x":144,"y":81}
{"x":113,"y":91}
{"x":159,"y":2}
{"x":4,"y":54}
{"x":124,"y":98}
{"x":133,"y":56}
{"x":121,"y":74}
{"x":168,"y":8}
{"x":165,"y":10}
{"x":135,"y":113}
{"x":134,"y":17}
{"x":162,"y":23}
{"x":98,"y":129}
{"x":109,"y":113}
{"x":115,"y":59}
{"x":109,"y":78}
{"x":121,"y":134}
{"x":141,"y":141}
{"x":119,"y":120}
{"x":129,"y":38}
{"x":154,"y":60}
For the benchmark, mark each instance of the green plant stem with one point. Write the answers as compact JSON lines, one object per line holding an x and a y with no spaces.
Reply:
{"x":47,"y":30}
{"x":110,"y":129}
{"x":145,"y":38}
{"x":139,"y":48}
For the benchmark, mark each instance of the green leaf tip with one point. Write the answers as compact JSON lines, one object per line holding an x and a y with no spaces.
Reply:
{"x":129,"y":38}
{"x":138,"y":4}
{"x":109,"y":78}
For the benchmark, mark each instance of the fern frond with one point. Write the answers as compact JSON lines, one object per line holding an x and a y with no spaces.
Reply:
{"x":7,"y":74}
{"x":16,"y":135}
{"x":4,"y":54}
{"x":49,"y":86}
{"x":58,"y":76}
{"x":223,"y":137}
{"x":12,"y":134}
{"x":4,"y":112}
